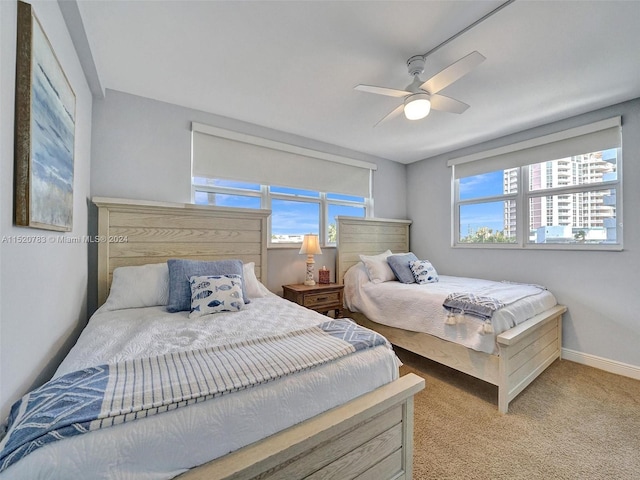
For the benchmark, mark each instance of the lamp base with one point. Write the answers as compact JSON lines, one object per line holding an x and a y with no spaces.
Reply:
{"x":309,"y":277}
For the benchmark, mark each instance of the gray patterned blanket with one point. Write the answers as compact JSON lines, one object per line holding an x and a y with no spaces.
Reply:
{"x":471,"y":304}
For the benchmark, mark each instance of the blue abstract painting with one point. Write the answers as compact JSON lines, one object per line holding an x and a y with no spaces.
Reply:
{"x":50,"y":146}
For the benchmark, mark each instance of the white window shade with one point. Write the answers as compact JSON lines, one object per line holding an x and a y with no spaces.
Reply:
{"x":220,"y":153}
{"x":594,"y":137}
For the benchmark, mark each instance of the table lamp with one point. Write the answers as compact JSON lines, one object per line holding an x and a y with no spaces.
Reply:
{"x":310,"y":247}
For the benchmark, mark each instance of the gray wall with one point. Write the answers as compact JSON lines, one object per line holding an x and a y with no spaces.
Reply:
{"x":599,"y":288}
{"x":43,"y":287}
{"x":141,"y":150}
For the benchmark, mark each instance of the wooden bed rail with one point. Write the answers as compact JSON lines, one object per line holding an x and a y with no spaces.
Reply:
{"x":325,"y":443}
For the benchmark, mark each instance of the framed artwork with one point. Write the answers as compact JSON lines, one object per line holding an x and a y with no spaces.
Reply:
{"x":44,"y":131}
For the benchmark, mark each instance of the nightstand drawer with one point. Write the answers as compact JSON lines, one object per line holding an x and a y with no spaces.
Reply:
{"x":315,"y":300}
{"x":322,"y":298}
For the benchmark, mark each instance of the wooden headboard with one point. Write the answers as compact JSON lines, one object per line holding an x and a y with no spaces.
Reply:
{"x":133,"y":232}
{"x":368,"y":236}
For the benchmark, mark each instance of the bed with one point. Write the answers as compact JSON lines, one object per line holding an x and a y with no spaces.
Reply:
{"x":518,"y":355}
{"x":286,"y":426}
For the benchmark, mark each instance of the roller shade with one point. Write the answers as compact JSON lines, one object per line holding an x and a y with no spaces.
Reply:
{"x":218,"y":153}
{"x":594,"y":137}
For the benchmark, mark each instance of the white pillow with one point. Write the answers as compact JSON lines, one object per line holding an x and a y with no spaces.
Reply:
{"x":215,"y":294}
{"x":252,"y":285}
{"x":139,"y":286}
{"x":377,"y":267}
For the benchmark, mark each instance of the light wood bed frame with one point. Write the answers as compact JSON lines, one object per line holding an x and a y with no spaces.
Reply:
{"x":370,"y":437}
{"x":525,"y":351}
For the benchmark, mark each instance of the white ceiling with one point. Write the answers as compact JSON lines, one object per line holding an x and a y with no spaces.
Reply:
{"x":292,"y":65}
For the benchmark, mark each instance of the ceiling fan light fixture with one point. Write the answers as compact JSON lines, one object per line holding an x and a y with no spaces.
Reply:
{"x":417,"y":106}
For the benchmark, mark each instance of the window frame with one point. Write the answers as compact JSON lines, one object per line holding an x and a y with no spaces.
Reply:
{"x":523,"y":198}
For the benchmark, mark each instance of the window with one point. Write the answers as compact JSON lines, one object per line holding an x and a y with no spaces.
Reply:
{"x":295,"y":212}
{"x":486,"y":207}
{"x":305,"y":189}
{"x":544,"y":193}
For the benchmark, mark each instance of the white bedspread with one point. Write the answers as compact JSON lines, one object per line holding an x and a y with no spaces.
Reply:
{"x":419,"y":307}
{"x":165,"y":445}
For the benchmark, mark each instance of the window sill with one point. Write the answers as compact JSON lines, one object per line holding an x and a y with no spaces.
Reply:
{"x":542,"y":246}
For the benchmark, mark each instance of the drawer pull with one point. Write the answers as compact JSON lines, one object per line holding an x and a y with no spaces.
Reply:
{"x":322,"y":299}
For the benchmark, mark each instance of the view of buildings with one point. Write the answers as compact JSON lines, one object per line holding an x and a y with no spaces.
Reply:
{"x":584,"y":216}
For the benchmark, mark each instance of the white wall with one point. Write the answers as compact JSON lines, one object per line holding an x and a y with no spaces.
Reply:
{"x":141,"y":150}
{"x":43,"y":287}
{"x":4,"y":105}
{"x":599,"y":288}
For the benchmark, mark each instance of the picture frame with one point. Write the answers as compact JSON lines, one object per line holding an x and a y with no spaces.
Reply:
{"x":44,"y":147}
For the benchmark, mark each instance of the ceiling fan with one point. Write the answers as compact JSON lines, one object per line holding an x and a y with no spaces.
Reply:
{"x":420,"y":97}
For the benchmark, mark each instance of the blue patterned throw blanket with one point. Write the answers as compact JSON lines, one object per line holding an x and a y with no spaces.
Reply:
{"x":471,"y":304}
{"x":107,"y":395}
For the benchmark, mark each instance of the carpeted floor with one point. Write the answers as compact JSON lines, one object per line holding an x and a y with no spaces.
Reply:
{"x":572,"y":422}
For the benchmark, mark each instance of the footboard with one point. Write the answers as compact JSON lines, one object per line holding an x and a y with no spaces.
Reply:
{"x":526,"y":350}
{"x":370,"y":437}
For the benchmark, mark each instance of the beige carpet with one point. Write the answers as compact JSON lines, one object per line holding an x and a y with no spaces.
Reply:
{"x":573,"y":422}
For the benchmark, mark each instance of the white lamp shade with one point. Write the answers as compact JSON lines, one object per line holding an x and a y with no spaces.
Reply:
{"x":310,"y":245}
{"x":417,"y":106}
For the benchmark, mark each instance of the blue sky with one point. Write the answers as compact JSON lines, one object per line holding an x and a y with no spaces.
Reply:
{"x":489,"y":215}
{"x":487,"y":184}
{"x":293,"y":218}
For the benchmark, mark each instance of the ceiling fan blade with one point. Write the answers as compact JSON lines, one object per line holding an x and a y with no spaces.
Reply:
{"x":394,"y":113}
{"x":452,"y":73}
{"x":390,"y":92}
{"x":447,"y":104}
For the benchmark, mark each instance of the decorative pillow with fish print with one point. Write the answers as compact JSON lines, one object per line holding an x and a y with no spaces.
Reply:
{"x":215,"y":294}
{"x":424,"y":272}
{"x":181,"y":270}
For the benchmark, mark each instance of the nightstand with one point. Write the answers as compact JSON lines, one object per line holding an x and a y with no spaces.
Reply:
{"x":319,"y":297}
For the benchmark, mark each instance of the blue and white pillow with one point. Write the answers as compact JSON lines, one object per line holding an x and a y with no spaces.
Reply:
{"x":423,"y":272}
{"x":181,"y":270}
{"x":215,"y":294}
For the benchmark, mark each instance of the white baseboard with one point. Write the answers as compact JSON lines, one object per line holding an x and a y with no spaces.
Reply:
{"x":605,"y":364}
